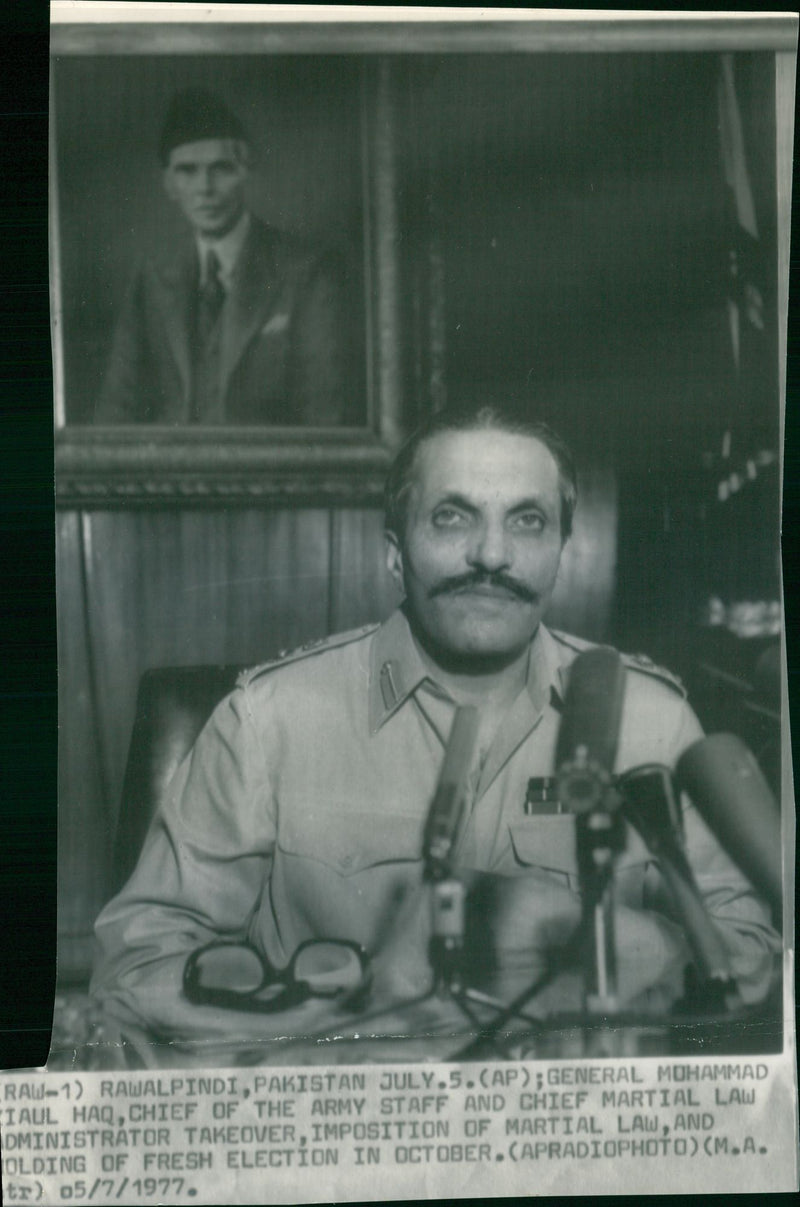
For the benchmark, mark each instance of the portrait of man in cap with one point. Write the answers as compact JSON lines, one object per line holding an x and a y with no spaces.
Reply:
{"x":240,"y":322}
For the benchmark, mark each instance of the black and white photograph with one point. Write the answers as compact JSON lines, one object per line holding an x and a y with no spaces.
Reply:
{"x":419,"y":414}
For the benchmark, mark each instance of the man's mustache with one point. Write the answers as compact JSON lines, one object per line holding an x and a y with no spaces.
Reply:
{"x":475,"y":578}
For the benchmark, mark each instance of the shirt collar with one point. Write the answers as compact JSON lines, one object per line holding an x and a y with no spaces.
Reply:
{"x":227,"y":248}
{"x":548,"y":667}
{"x":397,"y":670}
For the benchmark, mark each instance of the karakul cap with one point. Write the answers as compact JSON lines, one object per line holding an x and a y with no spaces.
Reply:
{"x":196,"y":114}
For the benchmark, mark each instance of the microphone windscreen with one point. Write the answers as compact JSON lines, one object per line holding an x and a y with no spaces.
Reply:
{"x":444,"y":816}
{"x":651,"y":807}
{"x":589,"y":732}
{"x":729,"y":791}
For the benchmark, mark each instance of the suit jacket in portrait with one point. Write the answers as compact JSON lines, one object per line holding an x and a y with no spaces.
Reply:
{"x":282,"y":352}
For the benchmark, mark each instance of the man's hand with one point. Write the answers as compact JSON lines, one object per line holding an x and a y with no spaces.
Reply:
{"x":520,"y":927}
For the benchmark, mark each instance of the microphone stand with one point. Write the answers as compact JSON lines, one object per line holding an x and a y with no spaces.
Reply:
{"x":600,"y":836}
{"x":446,"y":948}
{"x":446,"y":954}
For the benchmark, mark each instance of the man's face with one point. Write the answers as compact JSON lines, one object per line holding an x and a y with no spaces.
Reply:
{"x":206,"y":179}
{"x":482,"y":544}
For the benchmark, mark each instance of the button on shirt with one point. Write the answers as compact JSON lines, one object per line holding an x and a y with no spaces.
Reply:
{"x":300,"y":813}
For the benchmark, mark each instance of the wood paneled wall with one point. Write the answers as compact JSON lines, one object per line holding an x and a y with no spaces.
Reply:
{"x":145,"y":588}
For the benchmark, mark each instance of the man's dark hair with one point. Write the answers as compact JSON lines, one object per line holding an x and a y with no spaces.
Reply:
{"x":194,"y":115}
{"x":509,"y":418}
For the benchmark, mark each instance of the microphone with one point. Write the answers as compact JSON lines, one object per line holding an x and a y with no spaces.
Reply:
{"x":650,"y":805}
{"x":447,"y":807}
{"x":441,"y":830}
{"x":589,"y":730}
{"x":585,"y":754}
{"x":729,"y":791}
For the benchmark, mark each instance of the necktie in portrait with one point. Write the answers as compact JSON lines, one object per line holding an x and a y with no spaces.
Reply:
{"x":210,"y":300}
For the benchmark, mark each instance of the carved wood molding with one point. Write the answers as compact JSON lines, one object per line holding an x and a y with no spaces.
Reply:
{"x":104,"y":468}
{"x":132,"y":490}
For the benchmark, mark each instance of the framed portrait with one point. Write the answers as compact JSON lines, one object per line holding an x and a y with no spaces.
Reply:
{"x":289,"y":384}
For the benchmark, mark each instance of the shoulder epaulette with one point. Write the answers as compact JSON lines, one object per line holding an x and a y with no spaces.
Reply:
{"x":578,"y":644}
{"x":640,"y":662}
{"x":636,"y":662}
{"x":318,"y":646}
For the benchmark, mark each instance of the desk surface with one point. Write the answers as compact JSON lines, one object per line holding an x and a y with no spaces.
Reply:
{"x":422,"y":1029}
{"x":418,"y":1030}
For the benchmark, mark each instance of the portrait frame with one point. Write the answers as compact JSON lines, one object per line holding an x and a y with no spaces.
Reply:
{"x":137,"y":464}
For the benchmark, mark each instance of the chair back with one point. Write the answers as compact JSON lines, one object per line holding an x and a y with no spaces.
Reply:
{"x":172,"y":706}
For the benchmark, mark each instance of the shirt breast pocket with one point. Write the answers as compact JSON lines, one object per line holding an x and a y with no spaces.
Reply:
{"x":546,"y":843}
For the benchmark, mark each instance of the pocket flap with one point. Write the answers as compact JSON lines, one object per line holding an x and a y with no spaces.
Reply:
{"x":545,"y":841}
{"x":548,"y":841}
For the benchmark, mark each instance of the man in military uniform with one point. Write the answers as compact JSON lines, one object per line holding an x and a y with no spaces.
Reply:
{"x":243,"y":324}
{"x":300,"y":812}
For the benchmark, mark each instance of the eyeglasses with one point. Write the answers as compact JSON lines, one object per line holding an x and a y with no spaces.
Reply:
{"x":238,"y":977}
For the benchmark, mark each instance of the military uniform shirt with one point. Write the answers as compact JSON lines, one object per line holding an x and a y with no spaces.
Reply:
{"x":300,"y":813}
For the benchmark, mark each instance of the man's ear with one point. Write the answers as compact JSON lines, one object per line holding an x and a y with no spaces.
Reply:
{"x":394,"y":557}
